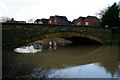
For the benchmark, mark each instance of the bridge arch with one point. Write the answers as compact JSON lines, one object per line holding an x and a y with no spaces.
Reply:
{"x":56,"y":34}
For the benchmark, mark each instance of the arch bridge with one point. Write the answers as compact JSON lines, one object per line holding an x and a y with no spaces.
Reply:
{"x":21,"y":34}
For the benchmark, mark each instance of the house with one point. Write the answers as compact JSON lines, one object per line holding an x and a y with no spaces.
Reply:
{"x":87,"y":21}
{"x":58,"y":20}
{"x":92,"y":21}
{"x":14,"y":21}
{"x":21,"y":22}
{"x":79,"y":21}
{"x":51,"y":20}
{"x":41,"y":21}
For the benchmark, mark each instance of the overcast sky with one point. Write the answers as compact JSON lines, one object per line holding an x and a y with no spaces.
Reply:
{"x":26,"y":9}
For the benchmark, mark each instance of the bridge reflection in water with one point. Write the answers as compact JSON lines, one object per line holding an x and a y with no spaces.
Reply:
{"x":77,"y":62}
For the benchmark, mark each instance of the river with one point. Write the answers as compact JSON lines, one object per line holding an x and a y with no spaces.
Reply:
{"x":74,"y":61}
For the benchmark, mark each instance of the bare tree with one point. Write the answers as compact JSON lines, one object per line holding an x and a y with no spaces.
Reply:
{"x":99,"y":14}
{"x":4,"y":19}
{"x":31,"y":20}
{"x":119,"y":4}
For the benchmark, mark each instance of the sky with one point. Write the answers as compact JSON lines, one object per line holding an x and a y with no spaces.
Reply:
{"x":23,"y":10}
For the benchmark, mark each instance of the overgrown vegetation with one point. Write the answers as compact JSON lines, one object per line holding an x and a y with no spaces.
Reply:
{"x":14,"y":67}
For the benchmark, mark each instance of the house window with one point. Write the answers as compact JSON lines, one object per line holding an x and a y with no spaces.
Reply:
{"x":78,"y":23}
{"x":106,"y":25}
{"x":87,"y":23}
{"x":55,"y":21}
{"x":50,"y":21}
{"x":40,"y":22}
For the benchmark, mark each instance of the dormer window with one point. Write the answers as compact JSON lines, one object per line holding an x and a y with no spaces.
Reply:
{"x":55,"y":21}
{"x":40,"y":22}
{"x":78,"y":23}
{"x":86,"y":23}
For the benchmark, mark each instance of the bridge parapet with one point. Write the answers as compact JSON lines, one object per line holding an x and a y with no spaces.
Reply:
{"x":13,"y":33}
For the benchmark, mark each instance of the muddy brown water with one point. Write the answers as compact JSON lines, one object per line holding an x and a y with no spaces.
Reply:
{"x":81,"y":61}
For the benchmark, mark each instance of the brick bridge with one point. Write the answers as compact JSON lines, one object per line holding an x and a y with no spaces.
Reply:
{"x":21,"y":34}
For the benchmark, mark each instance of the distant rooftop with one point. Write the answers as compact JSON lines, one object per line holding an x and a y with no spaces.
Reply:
{"x":62,"y":18}
{"x":82,"y":18}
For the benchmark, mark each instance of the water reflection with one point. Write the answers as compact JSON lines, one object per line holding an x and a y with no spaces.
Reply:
{"x":77,"y":61}
{"x":82,"y":71}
